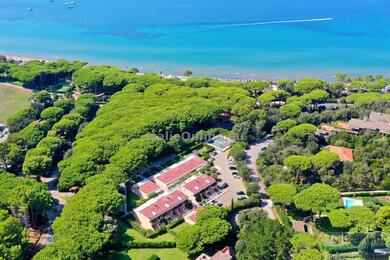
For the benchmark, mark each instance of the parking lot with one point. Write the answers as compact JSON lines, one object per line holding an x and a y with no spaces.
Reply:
{"x":234,"y":184}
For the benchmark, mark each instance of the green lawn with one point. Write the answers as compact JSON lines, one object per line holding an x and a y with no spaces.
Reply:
{"x":180,"y":227}
{"x":138,"y":237}
{"x":163,"y":253}
{"x":11,"y":100}
{"x":133,"y":235}
{"x":130,"y":234}
{"x":145,"y":253}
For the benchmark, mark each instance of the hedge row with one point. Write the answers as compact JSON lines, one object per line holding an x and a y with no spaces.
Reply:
{"x":147,"y":233}
{"x":161,"y":244}
{"x":341,"y":248}
{"x":362,"y":194}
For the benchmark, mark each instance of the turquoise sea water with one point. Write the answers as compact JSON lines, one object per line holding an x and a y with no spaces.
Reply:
{"x":227,"y":38}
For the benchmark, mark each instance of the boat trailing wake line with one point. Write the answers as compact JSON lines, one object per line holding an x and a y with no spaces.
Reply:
{"x":274,"y":22}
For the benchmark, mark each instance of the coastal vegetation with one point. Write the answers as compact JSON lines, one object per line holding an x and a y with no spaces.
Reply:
{"x":147,"y":118}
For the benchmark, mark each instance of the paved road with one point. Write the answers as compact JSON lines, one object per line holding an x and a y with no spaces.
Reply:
{"x":235,"y":185}
{"x":60,"y":199}
{"x":252,"y":155}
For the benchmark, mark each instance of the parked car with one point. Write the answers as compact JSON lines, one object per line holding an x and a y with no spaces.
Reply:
{"x":213,"y":153}
{"x":211,"y":159}
{"x":234,"y":173}
{"x":230,"y":162}
{"x":241,"y":197}
{"x":224,"y":186}
{"x":236,"y":177}
{"x":232,"y":167}
{"x":241,"y":193}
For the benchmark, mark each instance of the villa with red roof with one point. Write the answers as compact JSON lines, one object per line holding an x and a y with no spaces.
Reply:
{"x":199,"y":188}
{"x":180,"y":171}
{"x":345,"y":154}
{"x":162,"y":210}
{"x":146,"y":189}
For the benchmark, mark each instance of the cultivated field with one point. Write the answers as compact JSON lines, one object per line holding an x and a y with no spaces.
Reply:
{"x":11,"y":99}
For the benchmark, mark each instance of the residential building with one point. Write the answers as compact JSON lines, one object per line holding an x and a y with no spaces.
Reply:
{"x":226,"y":253}
{"x":199,"y":188}
{"x":345,"y":154}
{"x":375,"y":121}
{"x":162,"y":210}
{"x":146,"y":189}
{"x":180,"y":171}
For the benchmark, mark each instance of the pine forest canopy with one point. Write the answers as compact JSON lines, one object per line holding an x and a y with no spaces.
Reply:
{"x":137,"y":110}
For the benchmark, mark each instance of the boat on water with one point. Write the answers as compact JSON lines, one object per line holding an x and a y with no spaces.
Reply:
{"x":29,"y":9}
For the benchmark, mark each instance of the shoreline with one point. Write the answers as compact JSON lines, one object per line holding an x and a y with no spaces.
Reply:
{"x":227,"y":74}
{"x":23,"y":58}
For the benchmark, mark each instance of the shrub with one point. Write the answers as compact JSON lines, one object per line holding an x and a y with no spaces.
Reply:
{"x":283,"y":217}
{"x":161,"y":244}
{"x":333,"y":249}
{"x":252,"y":201}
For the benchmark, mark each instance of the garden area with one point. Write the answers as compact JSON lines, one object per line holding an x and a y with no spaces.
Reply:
{"x":148,"y":253}
{"x":137,"y":246}
{"x":339,"y":230}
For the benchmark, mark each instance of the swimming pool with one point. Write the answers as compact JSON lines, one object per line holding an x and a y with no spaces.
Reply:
{"x":348,"y":202}
{"x":220,"y":142}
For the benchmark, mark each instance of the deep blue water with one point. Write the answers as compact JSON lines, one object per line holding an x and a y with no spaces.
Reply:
{"x":205,"y":35}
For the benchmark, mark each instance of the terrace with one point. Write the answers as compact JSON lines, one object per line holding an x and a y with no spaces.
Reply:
{"x":200,"y":188}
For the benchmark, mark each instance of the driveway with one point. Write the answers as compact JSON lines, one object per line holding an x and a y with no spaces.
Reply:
{"x":60,"y":198}
{"x":235,"y":185}
{"x":252,"y":155}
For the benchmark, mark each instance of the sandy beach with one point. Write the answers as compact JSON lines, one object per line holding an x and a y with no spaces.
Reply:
{"x":22,"y":59}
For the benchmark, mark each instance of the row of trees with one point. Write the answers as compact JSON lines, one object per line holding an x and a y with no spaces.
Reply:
{"x":12,"y":152}
{"x":39,"y":75}
{"x":26,"y":199}
{"x":160,"y":109}
{"x":87,"y":224}
{"x":40,"y":160}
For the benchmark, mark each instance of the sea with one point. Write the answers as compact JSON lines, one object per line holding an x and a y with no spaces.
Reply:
{"x":267,"y":39}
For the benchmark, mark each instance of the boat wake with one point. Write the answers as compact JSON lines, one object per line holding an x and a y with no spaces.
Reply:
{"x":274,"y":22}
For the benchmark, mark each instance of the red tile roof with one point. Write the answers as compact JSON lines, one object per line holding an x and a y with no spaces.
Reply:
{"x":164,"y":204}
{"x":181,"y":170}
{"x":192,"y":215}
{"x":148,"y":187}
{"x":199,"y":184}
{"x":345,"y":154}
